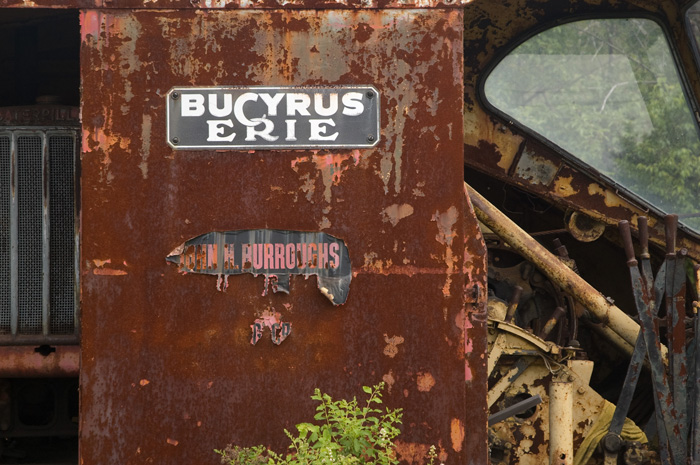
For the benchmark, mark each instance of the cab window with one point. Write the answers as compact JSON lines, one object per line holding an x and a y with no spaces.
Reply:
{"x":608,"y":92}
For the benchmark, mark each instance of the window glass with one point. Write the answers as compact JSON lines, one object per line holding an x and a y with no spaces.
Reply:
{"x":608,"y":92}
{"x":693,"y":17}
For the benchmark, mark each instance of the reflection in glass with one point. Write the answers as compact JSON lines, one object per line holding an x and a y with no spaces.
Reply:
{"x":608,"y":92}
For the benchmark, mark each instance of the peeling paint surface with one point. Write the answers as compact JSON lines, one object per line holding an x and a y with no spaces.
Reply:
{"x":399,"y":211}
{"x":535,"y":169}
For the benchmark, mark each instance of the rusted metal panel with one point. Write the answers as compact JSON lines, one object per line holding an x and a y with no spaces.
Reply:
{"x":30,"y":362}
{"x":234,"y":4}
{"x":169,"y":371}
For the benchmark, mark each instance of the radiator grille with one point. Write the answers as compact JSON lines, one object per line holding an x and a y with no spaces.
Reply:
{"x":38,"y":279}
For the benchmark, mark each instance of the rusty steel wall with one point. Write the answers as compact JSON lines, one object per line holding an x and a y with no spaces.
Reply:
{"x":168,"y":369}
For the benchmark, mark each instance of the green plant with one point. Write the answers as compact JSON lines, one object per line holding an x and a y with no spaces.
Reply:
{"x":346,"y":433}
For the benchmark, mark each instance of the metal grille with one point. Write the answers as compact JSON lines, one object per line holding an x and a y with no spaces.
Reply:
{"x":38,"y":278}
{"x":61,"y":242}
{"x":5,"y":293}
{"x":29,"y":240}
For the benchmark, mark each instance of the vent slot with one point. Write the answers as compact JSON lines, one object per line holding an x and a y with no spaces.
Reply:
{"x":5,"y":293}
{"x":61,"y":238}
{"x":29,"y":240}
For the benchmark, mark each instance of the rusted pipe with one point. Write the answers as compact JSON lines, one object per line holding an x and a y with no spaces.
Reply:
{"x":29,"y":362}
{"x":513,"y":303}
{"x":559,"y":273}
{"x":561,"y":422}
{"x":551,"y":323}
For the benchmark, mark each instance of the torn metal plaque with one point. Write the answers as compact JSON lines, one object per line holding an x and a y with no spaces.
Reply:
{"x":273,"y":253}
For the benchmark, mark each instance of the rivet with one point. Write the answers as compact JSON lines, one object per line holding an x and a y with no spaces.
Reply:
{"x":176,"y":140}
{"x":175,"y":95}
{"x":370,"y":94}
{"x":370,"y":138}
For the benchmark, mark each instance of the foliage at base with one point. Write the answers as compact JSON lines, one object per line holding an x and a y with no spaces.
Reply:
{"x":345,"y":433}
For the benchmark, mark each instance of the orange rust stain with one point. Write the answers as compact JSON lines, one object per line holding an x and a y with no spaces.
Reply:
{"x":173,"y":442}
{"x":144,"y":382}
{"x":457,"y":434}
{"x":425,"y":382}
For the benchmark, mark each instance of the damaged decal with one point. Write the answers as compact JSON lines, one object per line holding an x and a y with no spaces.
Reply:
{"x":278,"y":330}
{"x":272,"y":253}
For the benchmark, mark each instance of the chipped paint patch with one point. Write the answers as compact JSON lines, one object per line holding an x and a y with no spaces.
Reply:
{"x":329,"y":168}
{"x":611,"y":199}
{"x":535,"y":169}
{"x":457,"y":434}
{"x":101,"y":271}
{"x":389,"y":380}
{"x":392,"y":347}
{"x":144,"y":382}
{"x":446,"y":234}
{"x":478,"y":128}
{"x":372,"y":264}
{"x":108,"y":272}
{"x":145,"y":144}
{"x":215,"y":3}
{"x":395,"y":213}
{"x":425,"y":382}
{"x":445,"y":223}
{"x":563,"y":187}
{"x":418,"y":190}
{"x":172,"y":442}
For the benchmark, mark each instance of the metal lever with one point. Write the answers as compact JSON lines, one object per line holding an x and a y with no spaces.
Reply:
{"x":515,"y":409}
